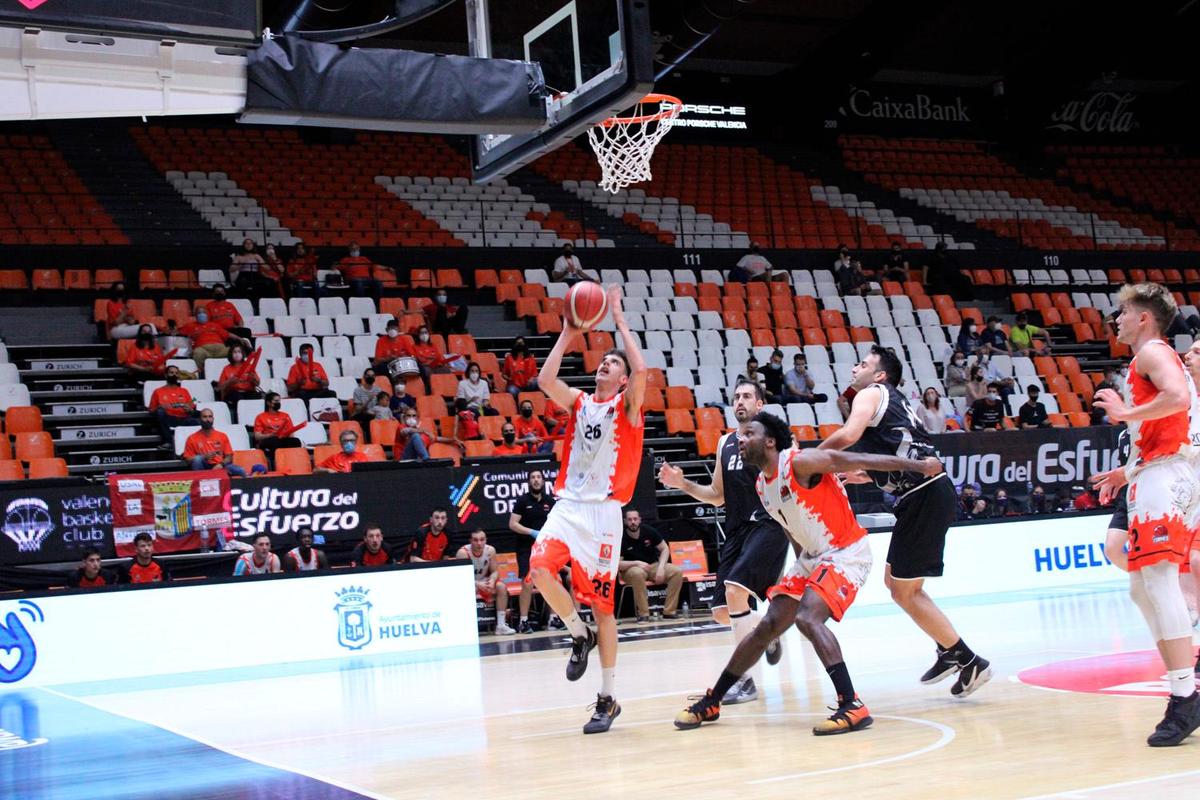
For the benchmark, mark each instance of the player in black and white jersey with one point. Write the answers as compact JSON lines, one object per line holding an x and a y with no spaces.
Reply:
{"x":755,"y":548}
{"x":882,"y":422}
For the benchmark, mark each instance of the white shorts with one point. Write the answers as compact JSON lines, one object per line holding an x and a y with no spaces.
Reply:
{"x":588,"y":534}
{"x":835,"y":575}
{"x":1161,"y":499}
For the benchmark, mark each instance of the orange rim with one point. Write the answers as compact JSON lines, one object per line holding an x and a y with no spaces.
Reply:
{"x":676,"y":105}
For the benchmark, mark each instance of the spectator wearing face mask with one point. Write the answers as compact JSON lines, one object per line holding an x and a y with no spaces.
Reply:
{"x":122,"y":324}
{"x":145,"y":359}
{"x":346,"y":457}
{"x":772,"y":377}
{"x":508,"y":442}
{"x":224,"y":313}
{"x":401,"y":400}
{"x":273,"y":270}
{"x":412,"y":441}
{"x":896,"y":266}
{"x":567,"y":267}
{"x":1038,"y":504}
{"x":172,"y":405}
{"x":307,"y":379}
{"x":798,"y":383}
{"x":968,"y":339}
{"x":530,"y":431}
{"x":993,"y":336}
{"x":931,"y":412}
{"x":301,"y":273}
{"x":390,"y":346}
{"x":444,"y":318}
{"x":956,"y":375}
{"x":209,"y":448}
{"x":476,"y":391}
{"x":1033,"y":413}
{"x":977,"y":386}
{"x":519,"y":369}
{"x":427,"y":355}
{"x":987,"y":413}
{"x":1028,"y":340}
{"x":366,"y":393}
{"x":245,"y":270}
{"x":209,"y":340}
{"x":969,"y":496}
{"x":238,"y":380}
{"x":356,"y":269}
{"x":269,"y":427}
{"x":1001,"y":506}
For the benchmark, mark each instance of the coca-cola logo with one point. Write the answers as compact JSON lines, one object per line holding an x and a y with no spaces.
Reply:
{"x":1103,"y":112}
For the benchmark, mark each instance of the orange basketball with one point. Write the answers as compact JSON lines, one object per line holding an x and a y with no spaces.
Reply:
{"x":586,"y":304}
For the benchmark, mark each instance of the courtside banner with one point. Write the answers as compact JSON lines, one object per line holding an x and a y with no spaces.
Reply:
{"x":45,"y":525}
{"x":179,"y":509}
{"x":350,"y":617}
{"x":1013,"y":460}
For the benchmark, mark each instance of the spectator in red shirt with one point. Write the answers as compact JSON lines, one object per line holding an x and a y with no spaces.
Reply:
{"x":209,"y":339}
{"x":122,"y":324}
{"x":555,"y":417}
{"x":509,"y":445}
{"x":269,"y":424}
{"x":444,"y":318}
{"x":519,"y":369}
{"x":371,"y":552}
{"x":172,"y":405}
{"x":390,"y":346}
{"x":432,"y":542}
{"x":307,"y":379}
{"x":144,"y":568}
{"x":350,"y":454}
{"x":531,"y":433}
{"x":466,"y":421}
{"x":429,"y":358}
{"x":210,"y":449}
{"x":225,"y":313}
{"x":90,"y":573}
{"x":238,"y":382}
{"x":301,"y":273}
{"x":412,"y":441}
{"x":356,"y":269}
{"x":145,"y":359}
{"x":1085,"y":500}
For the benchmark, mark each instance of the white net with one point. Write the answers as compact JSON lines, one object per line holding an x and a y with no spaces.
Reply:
{"x":624,"y":145}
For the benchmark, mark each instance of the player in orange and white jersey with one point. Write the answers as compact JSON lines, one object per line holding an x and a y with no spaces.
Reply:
{"x":601,"y":456}
{"x":1161,"y":417}
{"x":1191,"y":360}
{"x":799,"y":490}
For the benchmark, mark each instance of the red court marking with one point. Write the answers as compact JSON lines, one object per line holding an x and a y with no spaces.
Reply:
{"x":1138,"y":674}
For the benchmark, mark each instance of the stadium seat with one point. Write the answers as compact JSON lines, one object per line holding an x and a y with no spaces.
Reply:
{"x":11,"y":470}
{"x":679,"y":420}
{"x":438,"y":450}
{"x":247,"y":459}
{"x":23,"y":419}
{"x":479,"y":448}
{"x":293,"y":461}
{"x":707,"y":439}
{"x":34,"y":445}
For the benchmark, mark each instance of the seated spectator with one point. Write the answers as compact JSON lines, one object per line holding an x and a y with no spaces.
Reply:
{"x":172,"y":405}
{"x":772,"y":373}
{"x":993,"y":374}
{"x":90,"y":573}
{"x":429,"y":360}
{"x":968,"y":494}
{"x":444,"y":318}
{"x":555,"y":417}
{"x":273,"y":270}
{"x":1038,"y":504}
{"x":645,"y":559}
{"x":852,"y":280}
{"x":260,"y":560}
{"x":145,"y":568}
{"x":968,"y":339}
{"x":390,"y":346}
{"x":245,"y":270}
{"x":488,"y":586}
{"x":979,"y":509}
{"x":798,"y":383}
{"x":753,"y":266}
{"x":977,"y":387}
{"x":1000,"y":506}
{"x":356,"y":270}
{"x":304,"y":557}
{"x":567,"y":268}
{"x":307,"y":378}
{"x":382,"y":409}
{"x":401,"y":400}
{"x":301,"y":273}
{"x":509,"y":446}
{"x":1085,"y":499}
{"x":466,"y":422}
{"x":412,"y":442}
{"x":987,"y":413}
{"x":476,"y":391}
{"x":122,"y":324}
{"x":349,"y":455}
{"x":224,"y":313}
{"x":209,"y":340}
{"x":145,"y":359}
{"x":371,"y":551}
{"x":432,"y":541}
{"x":366,"y":395}
{"x":270,"y":428}
{"x":1032,"y":413}
{"x":895,"y":266}
{"x":1022,"y":335}
{"x":239,"y":380}
{"x":932,"y":412}
{"x":208,"y":448}
{"x":956,"y":375}
{"x":519,"y":369}
{"x":752,"y":372}
{"x":842,"y":261}
{"x":1112,"y":380}
{"x":993,"y":336}
{"x":530,"y":431}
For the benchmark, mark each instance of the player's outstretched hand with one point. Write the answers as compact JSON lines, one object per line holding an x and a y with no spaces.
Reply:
{"x":671,"y":476}
{"x":1112,"y":403}
{"x":1109,"y":483}
{"x":932,"y":466}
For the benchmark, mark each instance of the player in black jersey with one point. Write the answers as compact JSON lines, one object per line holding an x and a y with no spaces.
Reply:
{"x":882,"y":422}
{"x":755,"y":547}
{"x":1118,"y":526}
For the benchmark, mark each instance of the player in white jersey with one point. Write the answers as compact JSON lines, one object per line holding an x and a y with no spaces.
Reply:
{"x":258,"y":561}
{"x":1191,"y":360}
{"x":602,"y":451}
{"x":488,"y":586}
{"x":304,"y":557}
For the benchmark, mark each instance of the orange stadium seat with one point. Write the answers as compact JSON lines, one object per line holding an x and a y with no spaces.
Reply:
{"x":77,"y":280}
{"x":679,"y":420}
{"x":23,"y":419}
{"x":439,"y":450}
{"x":11,"y":470}
{"x":47,"y":279}
{"x":706,"y":441}
{"x":34,"y":445}
{"x":247,"y":459}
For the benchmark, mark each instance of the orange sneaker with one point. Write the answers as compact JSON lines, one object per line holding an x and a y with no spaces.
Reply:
{"x":705,"y":709}
{"x":851,"y":716}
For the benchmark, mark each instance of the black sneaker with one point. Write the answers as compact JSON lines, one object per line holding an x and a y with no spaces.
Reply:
{"x":774,"y":652}
{"x":526,"y":627}
{"x":607,"y":709}
{"x":943,"y":668}
{"x":971,"y":676}
{"x":1181,"y":720}
{"x":581,"y":647}
{"x":556,"y":624}
{"x":642,"y":620}
{"x":706,"y":709}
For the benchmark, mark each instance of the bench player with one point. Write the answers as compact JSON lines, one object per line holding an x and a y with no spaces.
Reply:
{"x":798,"y":490}
{"x":755,"y":547}
{"x":602,"y":451}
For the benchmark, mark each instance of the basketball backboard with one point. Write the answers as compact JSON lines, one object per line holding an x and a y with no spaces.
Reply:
{"x":596,"y":56}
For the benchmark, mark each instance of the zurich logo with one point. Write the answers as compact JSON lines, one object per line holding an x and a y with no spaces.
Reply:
{"x":18,"y":653}
{"x":354,"y":618}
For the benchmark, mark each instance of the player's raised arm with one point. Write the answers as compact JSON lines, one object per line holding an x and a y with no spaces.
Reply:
{"x":548,"y":381}
{"x":635,"y":391}
{"x":865,"y":404}
{"x":815,"y":461}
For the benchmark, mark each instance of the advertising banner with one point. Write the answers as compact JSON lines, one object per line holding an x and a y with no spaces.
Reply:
{"x":1018,"y":460}
{"x":333,"y":617}
{"x":179,"y":509}
{"x":895,"y":109}
{"x":45,"y":525}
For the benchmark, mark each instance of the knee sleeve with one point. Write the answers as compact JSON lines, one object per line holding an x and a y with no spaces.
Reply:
{"x":1161,"y":583}
{"x":743,"y":624}
{"x":1137,"y":593}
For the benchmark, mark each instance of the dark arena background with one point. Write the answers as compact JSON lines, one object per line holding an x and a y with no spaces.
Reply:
{"x":277,"y":281}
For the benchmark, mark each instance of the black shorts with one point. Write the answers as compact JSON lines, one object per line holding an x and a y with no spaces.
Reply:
{"x":919,"y":538}
{"x":524,"y":548}
{"x":751,"y":557}
{"x":1120,"y":517}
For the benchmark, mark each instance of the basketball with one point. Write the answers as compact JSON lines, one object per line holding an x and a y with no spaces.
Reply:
{"x":586,"y":304}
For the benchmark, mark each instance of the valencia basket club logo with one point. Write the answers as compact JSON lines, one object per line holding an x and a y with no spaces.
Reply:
{"x":354,"y":617}
{"x":27,"y":522}
{"x":460,"y":497}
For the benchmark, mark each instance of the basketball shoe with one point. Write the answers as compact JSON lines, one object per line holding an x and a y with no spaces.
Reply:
{"x":847,"y":717}
{"x":705,"y":709}
{"x":943,"y":668}
{"x":744,"y":691}
{"x":606,"y":710}
{"x":1181,"y":720}
{"x":971,"y":676}
{"x":581,"y":648}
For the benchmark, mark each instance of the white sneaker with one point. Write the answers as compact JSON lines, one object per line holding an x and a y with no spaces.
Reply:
{"x":744,"y":691}
{"x":502,"y":629}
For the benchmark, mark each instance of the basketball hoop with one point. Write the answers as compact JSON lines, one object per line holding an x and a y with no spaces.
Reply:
{"x":624,"y":145}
